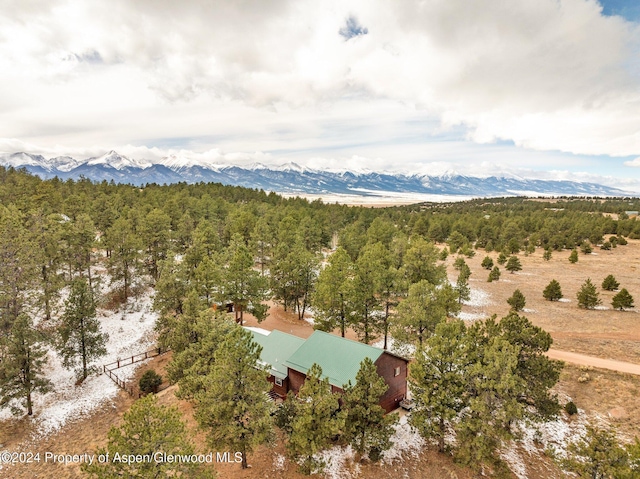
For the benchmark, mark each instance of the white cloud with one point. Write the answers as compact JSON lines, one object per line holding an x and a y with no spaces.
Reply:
{"x":274,"y":75}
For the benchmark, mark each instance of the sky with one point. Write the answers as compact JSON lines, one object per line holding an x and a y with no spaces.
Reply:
{"x":544,"y":88}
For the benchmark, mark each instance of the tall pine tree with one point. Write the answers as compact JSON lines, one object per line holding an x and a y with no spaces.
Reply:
{"x":80,"y":338}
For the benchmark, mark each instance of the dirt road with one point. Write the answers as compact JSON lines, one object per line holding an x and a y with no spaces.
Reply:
{"x":584,"y":360}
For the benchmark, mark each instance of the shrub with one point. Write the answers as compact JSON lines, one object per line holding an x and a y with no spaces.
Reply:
{"x":610,"y":283}
{"x":150,"y":382}
{"x":571,"y":408}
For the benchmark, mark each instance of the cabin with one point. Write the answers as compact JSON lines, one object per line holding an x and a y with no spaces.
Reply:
{"x":289,"y":358}
{"x":276,"y":349}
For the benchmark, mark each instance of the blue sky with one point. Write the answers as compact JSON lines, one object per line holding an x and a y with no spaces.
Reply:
{"x":545,"y":88}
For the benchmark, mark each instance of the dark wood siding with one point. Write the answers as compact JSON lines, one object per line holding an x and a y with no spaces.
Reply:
{"x":386,"y":365}
{"x":296,"y":379}
{"x":279,"y":390}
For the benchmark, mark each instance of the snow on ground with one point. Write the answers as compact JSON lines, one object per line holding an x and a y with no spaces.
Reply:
{"x":67,"y":402}
{"x":478,"y":298}
{"x":309,"y":315}
{"x":530,"y":311}
{"x":601,"y":308}
{"x":511,"y":456}
{"x":406,"y":441}
{"x":564,"y":300}
{"x":339,"y":462}
{"x":471,"y":316}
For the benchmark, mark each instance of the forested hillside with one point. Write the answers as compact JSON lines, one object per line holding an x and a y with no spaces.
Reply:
{"x":378,"y":272}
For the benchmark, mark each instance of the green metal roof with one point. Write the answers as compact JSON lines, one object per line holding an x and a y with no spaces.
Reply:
{"x":338,"y":357}
{"x":276,"y":349}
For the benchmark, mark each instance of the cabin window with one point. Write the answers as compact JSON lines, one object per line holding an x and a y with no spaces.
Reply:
{"x":396,"y":371}
{"x":278,"y":381}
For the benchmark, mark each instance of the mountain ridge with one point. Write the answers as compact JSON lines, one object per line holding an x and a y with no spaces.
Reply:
{"x":293,"y":178}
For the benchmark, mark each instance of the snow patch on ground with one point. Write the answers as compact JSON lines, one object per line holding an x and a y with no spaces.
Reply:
{"x":531,"y":311}
{"x":511,"y":456}
{"x":564,"y":300}
{"x":601,"y":308}
{"x":406,"y":441}
{"x":339,"y":462}
{"x":478,"y":298}
{"x":67,"y":402}
{"x":471,"y":316}
{"x":279,"y":461}
{"x":309,"y":316}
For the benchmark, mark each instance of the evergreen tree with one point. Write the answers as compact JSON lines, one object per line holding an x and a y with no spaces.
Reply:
{"x":154,"y":235}
{"x":315,"y":423}
{"x":588,"y":297}
{"x":493,"y":403}
{"x":622,"y":300}
{"x":366,"y":427}
{"x":573,"y":257}
{"x":598,"y":456}
{"x":190,"y":367}
{"x":487,"y":263}
{"x":293,"y":276}
{"x":438,"y":381}
{"x":610,"y":283}
{"x":242,"y":285}
{"x":234,"y":407}
{"x":552,"y":292}
{"x":494,"y":274}
{"x":502,"y":258}
{"x":547,"y":254}
{"x":513,"y":264}
{"x":586,"y":247}
{"x":80,"y":339}
{"x":331,"y":298}
{"x":462,"y":284}
{"x":517,"y":301}
{"x":419,"y":314}
{"x":148,"y":428}
{"x":22,"y":366}
{"x":125,"y":247}
{"x":536,"y":370}
{"x":459,"y":263}
{"x":420,"y":262}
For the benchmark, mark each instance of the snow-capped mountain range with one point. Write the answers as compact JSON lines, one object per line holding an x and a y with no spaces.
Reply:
{"x":293,"y":178}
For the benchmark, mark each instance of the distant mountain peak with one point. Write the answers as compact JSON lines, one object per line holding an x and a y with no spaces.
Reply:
{"x":291,"y":177}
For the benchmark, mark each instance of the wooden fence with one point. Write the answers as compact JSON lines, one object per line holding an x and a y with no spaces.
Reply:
{"x":136,"y":358}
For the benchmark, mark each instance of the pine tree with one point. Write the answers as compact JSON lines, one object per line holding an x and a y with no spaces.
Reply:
{"x":517,"y":301}
{"x":588,"y":297}
{"x":366,"y":427}
{"x":552,"y":292}
{"x":462,"y":284}
{"x":494,"y":274}
{"x":80,"y":338}
{"x":331,"y":298}
{"x":125,"y":247}
{"x":420,"y":262}
{"x":242,"y":285}
{"x":502,"y":258}
{"x":438,"y":381}
{"x":573,"y":257}
{"x":586,"y":247}
{"x":147,"y":428}
{"x":622,"y":300}
{"x":419,"y":314}
{"x":22,"y":366}
{"x":547,"y":254}
{"x":610,"y":283}
{"x":598,"y":455}
{"x":316,"y":421}
{"x":513,"y":264}
{"x":487,"y":263}
{"x":234,"y":407}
